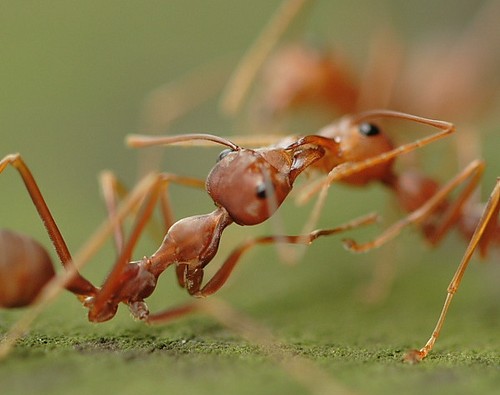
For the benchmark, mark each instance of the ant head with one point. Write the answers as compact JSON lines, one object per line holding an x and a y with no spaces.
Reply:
{"x":248,"y":186}
{"x":359,"y":140}
{"x":252,"y":184}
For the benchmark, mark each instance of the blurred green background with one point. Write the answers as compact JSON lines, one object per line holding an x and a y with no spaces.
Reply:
{"x":74,"y":77}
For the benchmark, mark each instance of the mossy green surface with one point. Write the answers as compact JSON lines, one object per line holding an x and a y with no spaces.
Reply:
{"x":360,"y":347}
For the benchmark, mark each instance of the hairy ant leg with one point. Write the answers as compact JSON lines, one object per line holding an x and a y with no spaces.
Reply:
{"x":487,"y":221}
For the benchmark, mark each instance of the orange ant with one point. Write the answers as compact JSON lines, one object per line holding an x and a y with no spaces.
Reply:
{"x":362,"y":153}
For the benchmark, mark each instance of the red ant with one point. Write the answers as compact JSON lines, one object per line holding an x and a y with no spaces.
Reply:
{"x":362,"y":153}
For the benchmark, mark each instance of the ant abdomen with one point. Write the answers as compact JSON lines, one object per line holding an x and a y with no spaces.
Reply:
{"x":25,"y":267}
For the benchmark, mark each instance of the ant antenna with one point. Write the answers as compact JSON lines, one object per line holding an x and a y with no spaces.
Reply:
{"x":138,"y":141}
{"x":366,"y":115}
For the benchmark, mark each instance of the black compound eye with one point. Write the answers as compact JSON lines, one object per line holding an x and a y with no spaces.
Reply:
{"x":224,"y":154}
{"x":261,"y":191}
{"x":368,"y":129}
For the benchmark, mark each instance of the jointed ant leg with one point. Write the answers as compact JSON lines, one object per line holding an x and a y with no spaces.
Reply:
{"x":221,"y":276}
{"x":489,"y":216}
{"x":474,"y":171}
{"x":78,"y":284}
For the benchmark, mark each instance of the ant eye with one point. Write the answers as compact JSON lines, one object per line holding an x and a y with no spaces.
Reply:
{"x":368,"y":129}
{"x":224,"y":154}
{"x":261,"y":191}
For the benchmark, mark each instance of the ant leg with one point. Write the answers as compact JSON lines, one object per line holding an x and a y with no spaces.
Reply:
{"x":111,"y":189}
{"x":489,"y":215}
{"x":221,"y":276}
{"x":474,"y":171}
{"x":449,"y":218}
{"x":78,"y":284}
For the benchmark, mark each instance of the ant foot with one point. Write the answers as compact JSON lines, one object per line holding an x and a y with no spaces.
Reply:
{"x":414,"y":356}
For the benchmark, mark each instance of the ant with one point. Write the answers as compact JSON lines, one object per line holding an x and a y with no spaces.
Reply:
{"x":263,"y":178}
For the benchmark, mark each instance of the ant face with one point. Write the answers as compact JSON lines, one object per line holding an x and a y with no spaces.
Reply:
{"x":358,"y":142}
{"x":250,"y":185}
